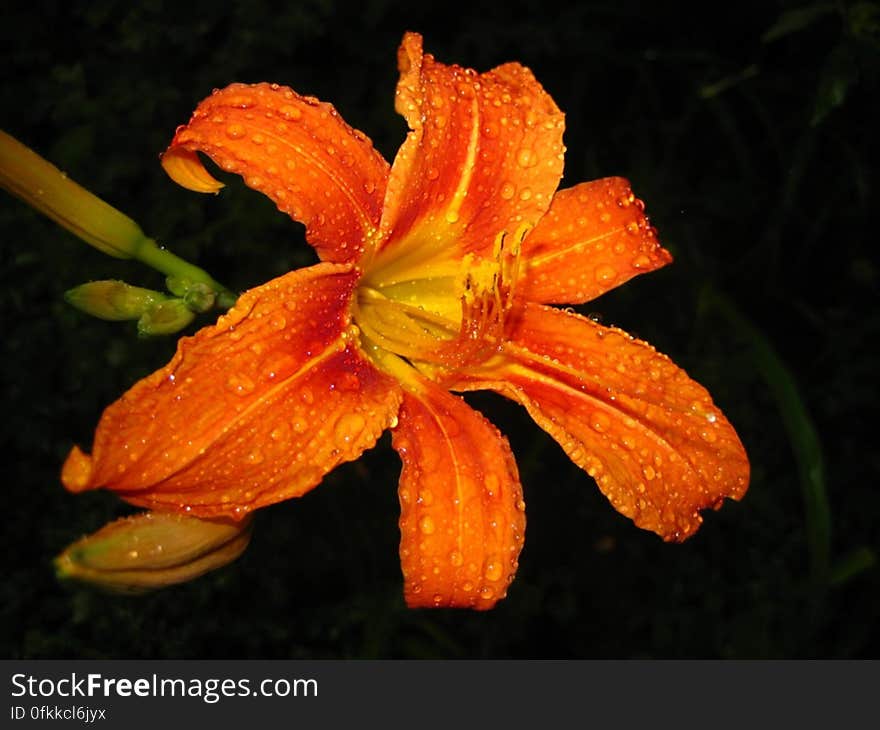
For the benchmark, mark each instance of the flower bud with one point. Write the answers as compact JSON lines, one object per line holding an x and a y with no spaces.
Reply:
{"x":199,"y":297}
{"x":165,"y":318}
{"x":44,"y":187}
{"x":112,"y":300}
{"x":152,"y":550}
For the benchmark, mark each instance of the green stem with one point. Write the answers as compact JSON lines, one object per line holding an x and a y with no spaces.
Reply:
{"x":47,"y":189}
{"x":148,"y":252}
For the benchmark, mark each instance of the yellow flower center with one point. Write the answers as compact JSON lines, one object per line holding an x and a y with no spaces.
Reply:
{"x":439,"y":314}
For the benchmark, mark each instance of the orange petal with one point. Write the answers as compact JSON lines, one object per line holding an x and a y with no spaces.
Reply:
{"x":462,"y":514}
{"x":484,"y":156}
{"x":594,"y":238}
{"x":251,"y":411}
{"x":296,"y":150}
{"x":658,"y":447}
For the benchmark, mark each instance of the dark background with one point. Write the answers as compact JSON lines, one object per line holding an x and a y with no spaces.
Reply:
{"x":750,"y":131}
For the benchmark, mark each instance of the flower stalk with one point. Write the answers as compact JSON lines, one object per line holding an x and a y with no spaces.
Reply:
{"x":47,"y":189}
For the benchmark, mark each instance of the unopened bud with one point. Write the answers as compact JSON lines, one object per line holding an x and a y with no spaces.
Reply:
{"x":113,"y":300}
{"x":165,"y":318}
{"x":178,"y":285}
{"x":153,"y":550}
{"x":199,"y":297}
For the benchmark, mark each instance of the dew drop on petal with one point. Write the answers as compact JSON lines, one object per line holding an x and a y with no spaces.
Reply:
{"x":604,"y":274}
{"x":349,"y":427}
{"x":240,"y":384}
{"x":525,"y":157}
{"x":493,"y":570}
{"x":427,"y":526}
{"x":600,"y":421}
{"x":235,"y":131}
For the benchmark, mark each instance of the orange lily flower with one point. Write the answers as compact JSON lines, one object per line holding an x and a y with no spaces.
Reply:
{"x":437,"y":274}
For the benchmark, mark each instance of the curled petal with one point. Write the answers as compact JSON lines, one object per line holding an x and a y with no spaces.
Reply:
{"x":462,"y":517}
{"x":658,"y":447}
{"x":484,"y":156}
{"x":294,"y":149}
{"x":594,"y":238}
{"x":251,"y":411}
{"x":153,"y":550}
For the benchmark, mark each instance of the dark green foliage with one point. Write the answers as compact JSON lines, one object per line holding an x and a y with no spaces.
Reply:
{"x":751,"y":132}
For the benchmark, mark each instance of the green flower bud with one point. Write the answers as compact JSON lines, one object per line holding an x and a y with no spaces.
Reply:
{"x":113,"y":300}
{"x":165,"y":318}
{"x":43,"y":186}
{"x":152,"y":550}
{"x":178,"y":285}
{"x":199,"y":297}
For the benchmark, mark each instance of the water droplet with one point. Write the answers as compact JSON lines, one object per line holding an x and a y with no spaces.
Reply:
{"x":426,"y":497}
{"x":508,"y":190}
{"x":525,"y":193}
{"x":604,"y":274}
{"x":493,"y":570}
{"x":349,"y":427}
{"x":255,"y":457}
{"x":432,"y":174}
{"x":600,"y":421}
{"x":258,"y":139}
{"x":525,"y":157}
{"x":235,"y":131}
{"x":290,"y":112}
{"x":307,"y":396}
{"x":641,"y":262}
{"x":632,"y":228}
{"x":456,"y":559}
{"x":427,"y":526}
{"x":240,"y":384}
{"x":451,"y":216}
{"x":626,"y":200}
{"x":486,"y":593}
{"x":649,"y":472}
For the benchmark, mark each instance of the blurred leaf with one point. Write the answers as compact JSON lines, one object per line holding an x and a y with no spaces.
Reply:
{"x":793,"y":21}
{"x":710,"y":90}
{"x":838,"y":75}
{"x":864,"y":21}
{"x":852,"y":565}
{"x":802,"y":435}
